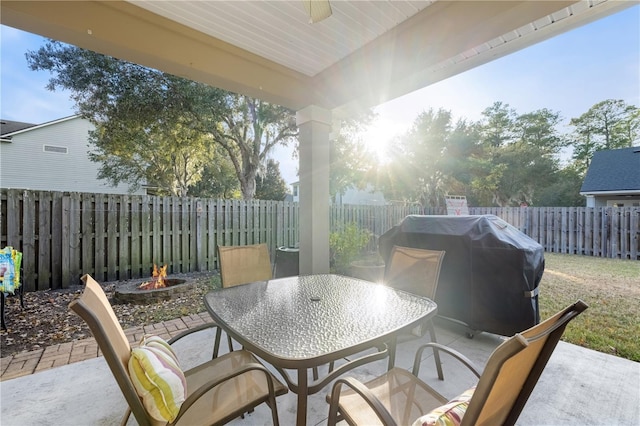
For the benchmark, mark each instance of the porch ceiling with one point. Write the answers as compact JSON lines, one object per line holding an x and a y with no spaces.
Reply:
{"x":366,"y":53}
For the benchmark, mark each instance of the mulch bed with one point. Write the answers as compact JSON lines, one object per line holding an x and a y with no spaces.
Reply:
{"x":46,"y":319}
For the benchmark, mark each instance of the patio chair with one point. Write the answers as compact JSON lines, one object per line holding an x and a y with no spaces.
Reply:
{"x":217,"y":391}
{"x":241,"y":265}
{"x":417,"y":271}
{"x":511,"y":373}
{"x":244,"y":264}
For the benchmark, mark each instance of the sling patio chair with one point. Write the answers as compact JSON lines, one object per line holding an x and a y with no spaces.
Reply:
{"x":157,"y":390}
{"x":417,"y":271}
{"x":511,"y":373}
{"x":241,"y":265}
{"x":244,"y":264}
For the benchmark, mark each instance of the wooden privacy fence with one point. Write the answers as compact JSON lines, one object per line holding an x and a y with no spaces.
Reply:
{"x":64,"y":235}
{"x":113,"y":237}
{"x":612,"y":232}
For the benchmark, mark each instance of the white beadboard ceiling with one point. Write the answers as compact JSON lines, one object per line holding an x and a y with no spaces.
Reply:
{"x":281,"y":32}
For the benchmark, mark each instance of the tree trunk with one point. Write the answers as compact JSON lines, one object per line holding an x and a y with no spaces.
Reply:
{"x":248,"y":183}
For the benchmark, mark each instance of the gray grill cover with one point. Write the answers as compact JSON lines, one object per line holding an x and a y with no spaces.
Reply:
{"x":490,"y":273}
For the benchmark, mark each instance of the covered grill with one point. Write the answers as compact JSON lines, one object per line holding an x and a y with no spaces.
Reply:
{"x":490,"y":274}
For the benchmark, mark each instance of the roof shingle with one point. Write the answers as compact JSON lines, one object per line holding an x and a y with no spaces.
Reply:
{"x":8,"y":126}
{"x":613,"y":170}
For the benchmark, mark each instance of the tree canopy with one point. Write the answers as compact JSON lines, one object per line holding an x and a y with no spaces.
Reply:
{"x":160,"y":130}
{"x":608,"y":124}
{"x":504,"y":159}
{"x":269,"y":184}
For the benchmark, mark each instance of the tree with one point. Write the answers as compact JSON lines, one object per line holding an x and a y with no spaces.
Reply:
{"x":350,"y":162}
{"x":249,"y":129}
{"x":563,"y":191}
{"x":539,"y":129}
{"x":152,"y":127}
{"x":461,"y":160}
{"x":433,"y":159}
{"x":218,"y":179}
{"x":514,"y":171}
{"x":167,"y":159}
{"x":518,"y":172}
{"x":269,"y":184}
{"x":143,"y":134}
{"x":629,"y":127}
{"x":497,"y":124}
{"x":609,"y":124}
{"x":415,"y":172}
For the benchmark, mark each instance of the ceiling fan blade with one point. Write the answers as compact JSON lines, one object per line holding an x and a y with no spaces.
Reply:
{"x":317,"y":10}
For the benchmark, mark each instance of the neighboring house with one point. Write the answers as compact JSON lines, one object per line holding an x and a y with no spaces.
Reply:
{"x":613,"y":178}
{"x":353,"y":196}
{"x":288,"y":198}
{"x":51,"y":157}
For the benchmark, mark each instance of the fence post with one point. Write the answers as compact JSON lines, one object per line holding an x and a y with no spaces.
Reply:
{"x":604,"y":232}
{"x":147,"y":239}
{"x":614,"y":234}
{"x":44,"y":241}
{"x":28,"y":237}
{"x":87,"y":233}
{"x":580,"y":230}
{"x":634,"y":237}
{"x":66,"y":241}
{"x":199,"y":226}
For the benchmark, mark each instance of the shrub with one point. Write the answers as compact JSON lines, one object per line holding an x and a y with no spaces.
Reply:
{"x":346,"y":245}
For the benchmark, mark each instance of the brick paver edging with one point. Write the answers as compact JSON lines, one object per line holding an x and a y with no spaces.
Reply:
{"x":25,"y":363}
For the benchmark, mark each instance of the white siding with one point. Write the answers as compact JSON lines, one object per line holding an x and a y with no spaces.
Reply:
{"x":631,"y":201}
{"x":25,"y":164}
{"x":353,"y":196}
{"x":367,"y":196}
{"x":296,"y":191}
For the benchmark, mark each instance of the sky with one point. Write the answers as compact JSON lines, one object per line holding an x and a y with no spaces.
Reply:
{"x":568,"y":74}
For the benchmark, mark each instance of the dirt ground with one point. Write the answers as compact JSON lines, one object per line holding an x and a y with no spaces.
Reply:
{"x":46,"y":319}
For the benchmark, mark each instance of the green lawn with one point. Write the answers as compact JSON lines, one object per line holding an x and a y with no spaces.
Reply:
{"x":610,"y":287}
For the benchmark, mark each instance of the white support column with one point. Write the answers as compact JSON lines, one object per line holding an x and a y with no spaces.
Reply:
{"x":315,"y":125}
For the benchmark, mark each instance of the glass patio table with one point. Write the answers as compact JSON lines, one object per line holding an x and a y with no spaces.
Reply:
{"x":299,"y":323}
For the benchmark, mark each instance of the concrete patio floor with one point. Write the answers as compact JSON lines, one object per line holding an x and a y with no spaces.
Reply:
{"x":578,"y":387}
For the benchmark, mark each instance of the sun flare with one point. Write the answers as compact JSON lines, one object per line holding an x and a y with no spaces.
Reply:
{"x":378,"y":139}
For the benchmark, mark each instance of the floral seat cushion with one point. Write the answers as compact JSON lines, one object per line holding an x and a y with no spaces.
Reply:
{"x":449,"y":414}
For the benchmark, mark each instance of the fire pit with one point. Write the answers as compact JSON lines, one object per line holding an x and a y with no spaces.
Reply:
{"x":157,"y":289}
{"x":132,"y":293}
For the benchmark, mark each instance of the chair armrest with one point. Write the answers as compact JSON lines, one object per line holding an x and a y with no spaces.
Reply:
{"x":358,"y":387}
{"x":206,"y":387}
{"x":437,"y":346}
{"x":192,"y":330}
{"x":316,"y":386}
